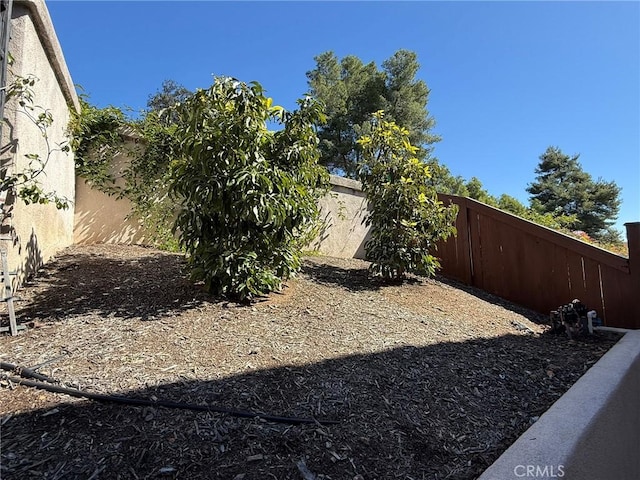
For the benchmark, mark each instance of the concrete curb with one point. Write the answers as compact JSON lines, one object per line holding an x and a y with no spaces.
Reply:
{"x":591,"y":433}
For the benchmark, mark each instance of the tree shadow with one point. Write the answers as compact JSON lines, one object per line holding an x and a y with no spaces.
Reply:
{"x":355,"y":279}
{"x":144,"y":287}
{"x":535,"y":317}
{"x":443,"y":410}
{"x":33,"y":256}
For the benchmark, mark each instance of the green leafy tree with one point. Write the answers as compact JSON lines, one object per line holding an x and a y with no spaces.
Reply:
{"x":406,"y":217}
{"x":170,"y":94}
{"x":511,"y":204}
{"x":246,"y":194}
{"x":562,"y":187}
{"x":478,"y":192}
{"x":352,"y":91}
{"x":406,"y":100}
{"x":444,"y":181}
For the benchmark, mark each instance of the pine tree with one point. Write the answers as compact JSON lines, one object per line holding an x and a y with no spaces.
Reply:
{"x":352,"y":92}
{"x":562,"y":187}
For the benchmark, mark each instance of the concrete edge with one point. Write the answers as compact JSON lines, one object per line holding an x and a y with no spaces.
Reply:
{"x":345,"y":182}
{"x":582,"y":432}
{"x":44,"y":26}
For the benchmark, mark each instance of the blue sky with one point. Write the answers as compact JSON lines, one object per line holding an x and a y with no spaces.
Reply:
{"x":507,"y":79}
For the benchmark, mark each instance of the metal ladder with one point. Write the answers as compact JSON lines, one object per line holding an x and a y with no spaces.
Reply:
{"x":8,"y":295}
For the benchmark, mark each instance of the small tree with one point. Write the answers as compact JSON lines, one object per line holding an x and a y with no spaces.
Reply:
{"x":246,"y":194}
{"x":406,"y":217}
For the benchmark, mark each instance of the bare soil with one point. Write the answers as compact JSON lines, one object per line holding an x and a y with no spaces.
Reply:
{"x":426,"y":380}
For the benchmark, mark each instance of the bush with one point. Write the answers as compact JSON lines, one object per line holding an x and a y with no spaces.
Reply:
{"x":406,"y":217}
{"x":246,"y":195}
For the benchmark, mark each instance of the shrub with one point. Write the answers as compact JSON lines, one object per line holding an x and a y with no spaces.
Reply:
{"x":406,"y":217}
{"x":246,"y":195}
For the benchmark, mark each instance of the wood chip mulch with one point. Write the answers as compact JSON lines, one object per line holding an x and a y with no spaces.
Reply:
{"x":427,"y":380}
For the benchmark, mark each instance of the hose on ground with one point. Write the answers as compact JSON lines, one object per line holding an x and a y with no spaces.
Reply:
{"x":25,"y":374}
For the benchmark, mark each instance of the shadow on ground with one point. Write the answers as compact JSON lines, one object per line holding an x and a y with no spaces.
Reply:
{"x":351,"y":279}
{"x":143,"y":287}
{"x":442,"y":411}
{"x":534,"y":317}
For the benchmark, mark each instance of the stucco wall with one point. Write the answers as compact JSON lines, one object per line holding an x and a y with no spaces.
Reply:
{"x":591,"y":433}
{"x":34,"y":233}
{"x":343,"y":211}
{"x":101,"y":218}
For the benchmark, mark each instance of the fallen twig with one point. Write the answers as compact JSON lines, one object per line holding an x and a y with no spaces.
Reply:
{"x":304,"y":471}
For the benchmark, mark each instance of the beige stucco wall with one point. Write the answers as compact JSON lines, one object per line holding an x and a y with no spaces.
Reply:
{"x":34,"y":233}
{"x":591,"y":433}
{"x":101,"y":218}
{"x":343,"y":211}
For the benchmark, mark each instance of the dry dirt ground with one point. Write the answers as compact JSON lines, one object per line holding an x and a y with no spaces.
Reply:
{"x":427,"y":380}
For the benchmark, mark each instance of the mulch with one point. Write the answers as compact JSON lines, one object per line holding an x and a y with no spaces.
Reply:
{"x":426,"y":380}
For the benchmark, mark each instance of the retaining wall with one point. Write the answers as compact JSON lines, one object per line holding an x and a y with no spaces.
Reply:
{"x":100,"y":218}
{"x":591,"y":433}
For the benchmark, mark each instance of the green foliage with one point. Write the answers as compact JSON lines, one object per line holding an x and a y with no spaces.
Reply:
{"x":246,"y":194}
{"x":477,"y":192}
{"x":352,"y":91}
{"x":406,"y":217}
{"x":96,"y":138}
{"x":147,"y":179}
{"x":170,"y":94}
{"x":406,"y":100}
{"x":562,"y":187}
{"x":25,"y":181}
{"x":443,"y":180}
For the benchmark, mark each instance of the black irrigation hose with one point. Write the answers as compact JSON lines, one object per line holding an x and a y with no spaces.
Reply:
{"x":160,"y":403}
{"x":26,"y":372}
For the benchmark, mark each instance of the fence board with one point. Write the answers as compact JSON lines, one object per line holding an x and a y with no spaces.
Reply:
{"x":537,"y":267}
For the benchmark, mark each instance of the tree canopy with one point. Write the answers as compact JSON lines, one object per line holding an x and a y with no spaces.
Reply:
{"x":170,"y":94}
{"x":406,"y":217}
{"x":247,"y":195}
{"x":563,"y":187}
{"x":353,"y":91}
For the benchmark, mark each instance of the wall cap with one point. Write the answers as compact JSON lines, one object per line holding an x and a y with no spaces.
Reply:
{"x":345,"y":182}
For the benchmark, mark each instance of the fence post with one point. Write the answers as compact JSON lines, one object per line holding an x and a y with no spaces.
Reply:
{"x":633,"y":243}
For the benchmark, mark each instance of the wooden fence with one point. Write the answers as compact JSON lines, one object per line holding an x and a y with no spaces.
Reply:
{"x":539,"y":268}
